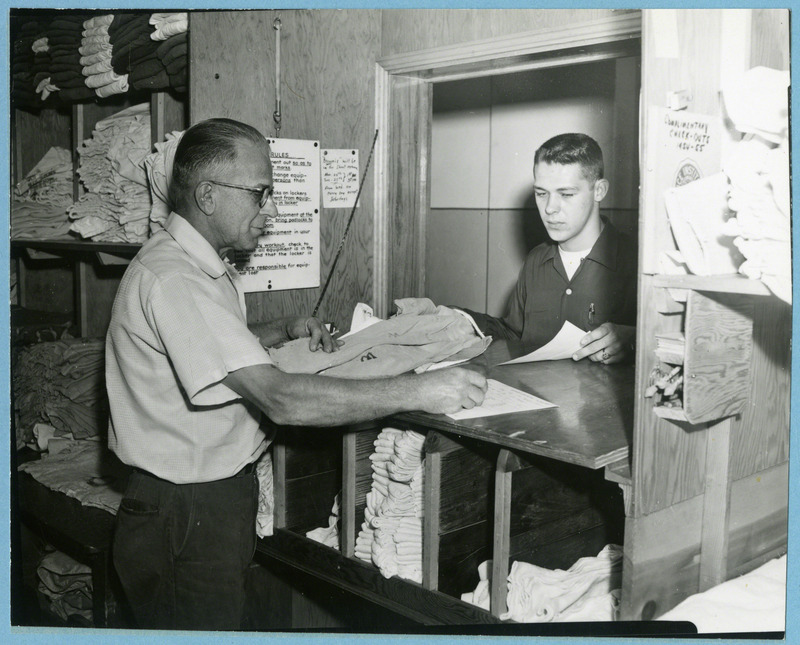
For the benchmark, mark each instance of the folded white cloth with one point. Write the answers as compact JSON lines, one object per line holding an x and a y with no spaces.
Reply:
{"x":119,"y":86}
{"x":98,"y":21}
{"x":40,"y":45}
{"x":101,"y":55}
{"x":536,"y":594}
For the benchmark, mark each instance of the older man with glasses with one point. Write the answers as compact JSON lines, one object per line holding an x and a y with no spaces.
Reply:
{"x":188,"y":382}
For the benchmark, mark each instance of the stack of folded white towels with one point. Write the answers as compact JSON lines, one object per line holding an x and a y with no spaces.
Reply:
{"x":391,"y":535}
{"x":116,"y":206}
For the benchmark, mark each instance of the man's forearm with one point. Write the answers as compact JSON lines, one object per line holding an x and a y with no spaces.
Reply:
{"x":307,"y":399}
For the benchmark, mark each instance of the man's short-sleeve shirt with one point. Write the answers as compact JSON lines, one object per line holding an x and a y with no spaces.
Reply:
{"x":178,"y":328}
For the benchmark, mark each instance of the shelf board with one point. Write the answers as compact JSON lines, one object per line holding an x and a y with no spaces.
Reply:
{"x":728,"y":283}
{"x":82,"y":246}
{"x":675,"y":414}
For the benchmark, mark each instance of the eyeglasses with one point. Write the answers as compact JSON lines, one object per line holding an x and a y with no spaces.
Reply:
{"x":264,"y":193}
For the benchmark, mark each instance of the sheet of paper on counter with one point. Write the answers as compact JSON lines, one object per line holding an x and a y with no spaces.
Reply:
{"x":503,"y":399}
{"x":566,"y":342}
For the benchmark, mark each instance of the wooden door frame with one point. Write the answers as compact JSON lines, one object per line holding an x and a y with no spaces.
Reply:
{"x":398,"y":77}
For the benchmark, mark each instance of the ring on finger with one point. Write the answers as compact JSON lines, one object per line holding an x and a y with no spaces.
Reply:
{"x":605,"y":356}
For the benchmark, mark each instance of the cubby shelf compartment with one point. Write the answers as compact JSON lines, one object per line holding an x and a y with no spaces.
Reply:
{"x":718,"y":350}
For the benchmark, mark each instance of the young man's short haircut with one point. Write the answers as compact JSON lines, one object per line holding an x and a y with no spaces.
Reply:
{"x":570,"y":148}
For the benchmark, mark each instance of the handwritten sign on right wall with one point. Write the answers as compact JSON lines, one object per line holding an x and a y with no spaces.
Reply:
{"x":339,"y":177}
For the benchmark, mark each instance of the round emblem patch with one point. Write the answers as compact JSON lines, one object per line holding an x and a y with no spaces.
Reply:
{"x":687,"y":173}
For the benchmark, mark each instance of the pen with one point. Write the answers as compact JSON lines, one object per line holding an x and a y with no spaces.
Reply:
{"x":591,"y":313}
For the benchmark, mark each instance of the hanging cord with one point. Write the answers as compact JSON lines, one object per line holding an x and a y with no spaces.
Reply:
{"x":347,"y":228}
{"x":276,"y":116}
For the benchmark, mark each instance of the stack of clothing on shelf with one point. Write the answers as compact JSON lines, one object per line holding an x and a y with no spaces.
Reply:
{"x":588,"y":591}
{"x":23,"y":59}
{"x":173,"y":52}
{"x":66,"y":584}
{"x":65,"y":36}
{"x":758,"y":171}
{"x":83,"y":469}
{"x":40,"y":201}
{"x":158,"y":165}
{"x":140,"y":43}
{"x":61,"y":384}
{"x":116,"y":206}
{"x":391,"y":535}
{"x":95,"y":58}
{"x":42,"y":83}
{"x":80,"y":56}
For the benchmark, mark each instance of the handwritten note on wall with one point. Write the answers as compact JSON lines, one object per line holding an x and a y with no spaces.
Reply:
{"x":688,"y":145}
{"x":287,"y":257}
{"x":339,"y":177}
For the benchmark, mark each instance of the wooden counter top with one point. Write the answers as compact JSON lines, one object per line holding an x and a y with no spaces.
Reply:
{"x":592,"y":425}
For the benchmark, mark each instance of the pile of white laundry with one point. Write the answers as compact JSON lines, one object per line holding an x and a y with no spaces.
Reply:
{"x":758,"y":172}
{"x":588,"y":591}
{"x":158,"y":165}
{"x":116,"y":206}
{"x":391,"y":535}
{"x":39,"y":206}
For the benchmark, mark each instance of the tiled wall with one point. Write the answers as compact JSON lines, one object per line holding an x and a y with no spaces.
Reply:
{"x":485,"y":131}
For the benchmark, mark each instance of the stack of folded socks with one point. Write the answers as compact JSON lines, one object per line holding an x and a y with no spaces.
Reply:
{"x":39,"y":206}
{"x":116,"y":206}
{"x":80,"y":56}
{"x":391,"y":535}
{"x":95,"y":51}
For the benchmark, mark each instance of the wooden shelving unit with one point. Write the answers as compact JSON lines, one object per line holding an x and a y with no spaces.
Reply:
{"x":77,"y":279}
{"x":716,"y":465}
{"x":89,"y":271}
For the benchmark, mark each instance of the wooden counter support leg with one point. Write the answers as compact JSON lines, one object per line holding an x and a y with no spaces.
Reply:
{"x":348,"y":508}
{"x":430,"y":520}
{"x":507,"y":463}
{"x":716,"y":505}
{"x":620,"y":473}
{"x":279,"y":484}
{"x":436,"y":445}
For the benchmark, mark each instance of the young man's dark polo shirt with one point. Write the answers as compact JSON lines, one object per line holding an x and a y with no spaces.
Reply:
{"x":603,"y":289}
